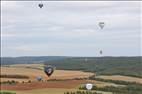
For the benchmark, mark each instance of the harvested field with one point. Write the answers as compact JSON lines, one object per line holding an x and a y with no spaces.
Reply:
{"x":103,"y":84}
{"x":33,"y":73}
{"x":122,"y":78}
{"x":40,"y":85}
{"x":60,"y":82}
{"x":66,"y":84}
{"x":52,"y":91}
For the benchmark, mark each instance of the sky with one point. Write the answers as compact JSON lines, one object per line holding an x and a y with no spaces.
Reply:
{"x":70,"y":28}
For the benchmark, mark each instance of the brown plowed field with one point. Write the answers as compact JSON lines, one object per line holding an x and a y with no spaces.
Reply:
{"x":40,"y":85}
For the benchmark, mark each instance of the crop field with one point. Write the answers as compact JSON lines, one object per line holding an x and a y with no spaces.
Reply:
{"x":60,"y":82}
{"x":51,"y":91}
{"x":32,"y":72}
{"x":122,"y":78}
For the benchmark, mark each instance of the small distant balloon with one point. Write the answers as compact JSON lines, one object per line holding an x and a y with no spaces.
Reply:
{"x":40,"y":5}
{"x":48,"y":70}
{"x":89,"y":86}
{"x":39,"y":78}
{"x":101,"y":52}
{"x":101,"y":24}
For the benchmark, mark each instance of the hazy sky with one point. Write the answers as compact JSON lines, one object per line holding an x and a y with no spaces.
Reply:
{"x":71,"y":28}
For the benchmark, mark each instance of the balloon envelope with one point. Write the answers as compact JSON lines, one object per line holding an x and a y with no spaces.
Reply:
{"x":101,"y":52}
{"x":89,"y":86}
{"x":40,"y":5}
{"x":101,"y":24}
{"x":48,"y":70}
{"x":39,"y":78}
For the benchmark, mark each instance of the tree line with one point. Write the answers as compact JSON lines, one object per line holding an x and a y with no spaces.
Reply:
{"x":14,"y":76}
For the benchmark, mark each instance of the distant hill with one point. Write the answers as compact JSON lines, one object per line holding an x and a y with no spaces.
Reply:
{"x":29,"y":59}
{"x":131,"y":66}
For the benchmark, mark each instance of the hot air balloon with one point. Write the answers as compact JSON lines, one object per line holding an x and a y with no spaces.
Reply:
{"x":89,"y":86}
{"x":39,"y":78}
{"x":101,"y":25}
{"x":48,"y":70}
{"x":101,"y":52}
{"x":40,"y":5}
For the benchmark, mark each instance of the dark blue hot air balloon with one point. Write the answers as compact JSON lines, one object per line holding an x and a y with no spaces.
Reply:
{"x":101,"y":52}
{"x":48,"y":70}
{"x":40,"y":5}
